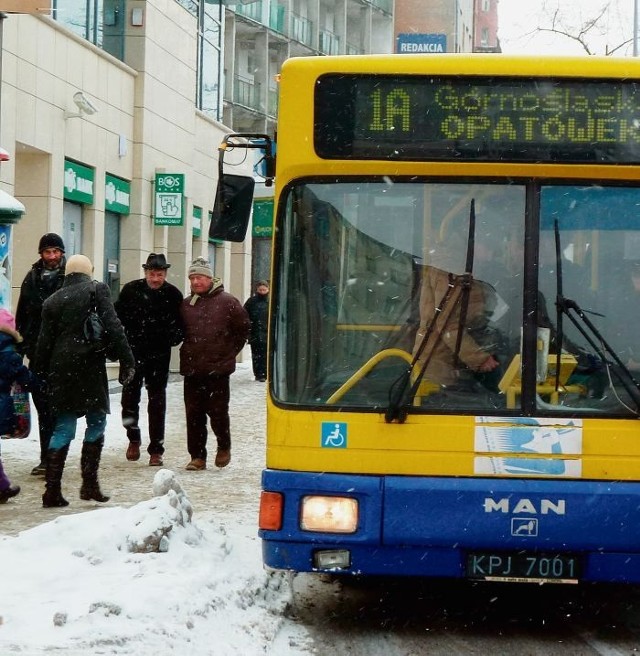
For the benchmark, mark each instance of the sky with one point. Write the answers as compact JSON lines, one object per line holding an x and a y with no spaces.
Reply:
{"x":76,"y":585}
{"x":519,"y":18}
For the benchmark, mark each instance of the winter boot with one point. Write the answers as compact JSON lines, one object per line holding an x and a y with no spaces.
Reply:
{"x":40,"y":469}
{"x":89,"y":463}
{"x":4,"y":479}
{"x":9,"y":493}
{"x":52,"y":497}
{"x":6,"y":489}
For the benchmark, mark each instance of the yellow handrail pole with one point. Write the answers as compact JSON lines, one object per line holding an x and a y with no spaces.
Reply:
{"x":365,"y":369}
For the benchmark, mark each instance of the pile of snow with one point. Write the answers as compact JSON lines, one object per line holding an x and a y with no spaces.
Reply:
{"x":138,"y":580}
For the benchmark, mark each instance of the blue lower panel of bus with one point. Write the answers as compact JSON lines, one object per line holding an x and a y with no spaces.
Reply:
{"x":491,"y":529}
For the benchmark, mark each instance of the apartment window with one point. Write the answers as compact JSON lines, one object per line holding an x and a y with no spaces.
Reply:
{"x":484,"y":38}
{"x":99,"y":21}
{"x":209,"y":81}
{"x":210,"y":35}
{"x":486,"y":5}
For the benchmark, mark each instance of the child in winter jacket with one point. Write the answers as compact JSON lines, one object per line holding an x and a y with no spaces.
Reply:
{"x":11,"y":371}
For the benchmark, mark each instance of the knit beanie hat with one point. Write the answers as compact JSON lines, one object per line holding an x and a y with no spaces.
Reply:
{"x":200,"y":267}
{"x":79,"y":264}
{"x":7,"y":319}
{"x":50,"y":240}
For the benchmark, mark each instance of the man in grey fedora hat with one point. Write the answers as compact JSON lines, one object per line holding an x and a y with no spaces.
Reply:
{"x":149,"y":310}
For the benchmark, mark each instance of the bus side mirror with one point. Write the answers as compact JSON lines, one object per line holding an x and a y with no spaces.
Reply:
{"x":232,"y":207}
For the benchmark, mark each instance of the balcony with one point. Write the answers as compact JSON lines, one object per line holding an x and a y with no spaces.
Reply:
{"x":329,"y":43}
{"x":301,"y":29}
{"x":253,"y":11}
{"x":245,"y":93}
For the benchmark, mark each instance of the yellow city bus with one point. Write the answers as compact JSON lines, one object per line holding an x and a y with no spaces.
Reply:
{"x":454,"y":345}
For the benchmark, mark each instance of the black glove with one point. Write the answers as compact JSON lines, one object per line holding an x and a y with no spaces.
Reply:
{"x":126,"y":375}
{"x":588,"y":363}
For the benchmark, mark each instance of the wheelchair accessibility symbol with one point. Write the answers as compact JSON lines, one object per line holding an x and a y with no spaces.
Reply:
{"x":334,"y":435}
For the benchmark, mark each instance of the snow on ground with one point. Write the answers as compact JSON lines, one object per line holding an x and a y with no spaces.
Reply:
{"x":79,"y":580}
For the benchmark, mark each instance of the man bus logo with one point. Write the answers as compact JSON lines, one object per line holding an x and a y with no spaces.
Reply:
{"x":529,"y":506}
{"x":524,"y":527}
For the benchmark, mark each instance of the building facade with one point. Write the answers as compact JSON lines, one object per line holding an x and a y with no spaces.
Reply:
{"x":104,"y":102}
{"x":433,"y":26}
{"x":436,"y":26}
{"x":485,"y":31}
{"x":97,"y":116}
{"x":261,"y":34}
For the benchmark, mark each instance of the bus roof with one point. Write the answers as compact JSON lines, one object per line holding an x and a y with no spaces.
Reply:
{"x":470,"y":64}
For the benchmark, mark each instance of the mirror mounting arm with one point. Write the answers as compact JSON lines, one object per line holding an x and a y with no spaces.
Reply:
{"x":234,"y":194}
{"x":251,"y":140}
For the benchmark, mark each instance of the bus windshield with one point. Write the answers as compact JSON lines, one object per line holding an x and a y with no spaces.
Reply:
{"x":389,"y":278}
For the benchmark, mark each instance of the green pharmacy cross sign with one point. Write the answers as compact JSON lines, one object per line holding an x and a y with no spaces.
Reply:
{"x":169,"y":199}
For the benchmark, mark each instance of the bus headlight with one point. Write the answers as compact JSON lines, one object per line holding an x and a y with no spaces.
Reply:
{"x":329,"y":514}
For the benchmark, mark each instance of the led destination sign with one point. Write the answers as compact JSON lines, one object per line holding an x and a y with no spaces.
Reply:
{"x":488,"y":119}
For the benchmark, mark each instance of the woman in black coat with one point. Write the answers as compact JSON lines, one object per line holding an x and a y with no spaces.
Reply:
{"x":76,"y":375}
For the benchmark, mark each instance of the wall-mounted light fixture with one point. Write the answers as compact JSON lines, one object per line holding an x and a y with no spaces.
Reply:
{"x":84,"y":105}
{"x":137,"y":17}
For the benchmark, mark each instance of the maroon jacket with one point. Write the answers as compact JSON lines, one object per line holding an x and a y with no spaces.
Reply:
{"x":216,"y":327}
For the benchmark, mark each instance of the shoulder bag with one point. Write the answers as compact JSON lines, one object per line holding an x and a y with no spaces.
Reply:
{"x":93,"y":328}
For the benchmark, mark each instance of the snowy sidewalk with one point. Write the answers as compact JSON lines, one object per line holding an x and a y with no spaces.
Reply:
{"x":73,"y":584}
{"x":128,"y":483}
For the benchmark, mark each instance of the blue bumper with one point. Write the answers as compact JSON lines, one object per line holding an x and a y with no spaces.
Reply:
{"x":417,"y":526}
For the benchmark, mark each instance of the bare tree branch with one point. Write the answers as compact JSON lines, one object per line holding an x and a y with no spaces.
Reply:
{"x":611,"y":51}
{"x":583,"y":33}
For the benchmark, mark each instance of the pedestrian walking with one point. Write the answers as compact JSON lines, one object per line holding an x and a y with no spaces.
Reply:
{"x":43,"y":279}
{"x":76,"y":376}
{"x":257,"y":308}
{"x":149,"y":310}
{"x":12,"y":370}
{"x":216,"y":327}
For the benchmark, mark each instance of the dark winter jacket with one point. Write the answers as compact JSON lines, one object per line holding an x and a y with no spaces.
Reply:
{"x":150,"y":317}
{"x":75,"y":374}
{"x":35,"y":290}
{"x":11,"y":371}
{"x":216,"y":328}
{"x":257,"y":308}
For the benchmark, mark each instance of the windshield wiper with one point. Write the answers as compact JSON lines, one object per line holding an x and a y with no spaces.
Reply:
{"x":458,"y":290}
{"x":402,"y":391}
{"x":570,"y":308}
{"x":467,"y":279}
